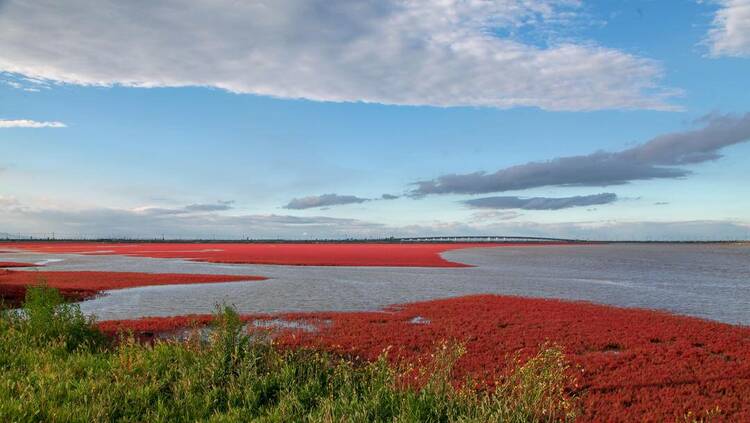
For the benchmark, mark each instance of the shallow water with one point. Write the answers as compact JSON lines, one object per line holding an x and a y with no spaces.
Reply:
{"x":708,"y":281}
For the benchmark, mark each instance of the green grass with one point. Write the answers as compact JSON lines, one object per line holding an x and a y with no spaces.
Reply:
{"x":55,"y":366}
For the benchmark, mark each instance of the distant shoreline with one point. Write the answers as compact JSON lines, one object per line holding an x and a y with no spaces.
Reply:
{"x":436,"y":240}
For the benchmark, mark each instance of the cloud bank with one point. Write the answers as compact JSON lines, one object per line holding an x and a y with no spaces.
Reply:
{"x":324,"y":200}
{"x":730,"y":31}
{"x":25,"y":123}
{"x":541,"y":203}
{"x":661,"y":157}
{"x":191,"y":221}
{"x":17,"y":217}
{"x":422,"y":52}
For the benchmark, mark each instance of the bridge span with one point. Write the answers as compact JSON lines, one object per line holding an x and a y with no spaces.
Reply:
{"x":487,"y":238}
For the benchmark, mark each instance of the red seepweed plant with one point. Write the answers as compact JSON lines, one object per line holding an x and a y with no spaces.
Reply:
{"x":300,"y":254}
{"x":626,"y":364}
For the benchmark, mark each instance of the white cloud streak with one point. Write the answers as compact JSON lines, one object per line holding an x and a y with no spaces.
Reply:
{"x":421,"y":52}
{"x":26,"y":123}
{"x":730,"y":31}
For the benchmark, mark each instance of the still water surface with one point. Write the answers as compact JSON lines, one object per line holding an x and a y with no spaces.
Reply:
{"x":708,"y":281}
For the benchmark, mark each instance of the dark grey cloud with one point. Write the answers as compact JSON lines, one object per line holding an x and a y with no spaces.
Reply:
{"x":326,"y":200}
{"x":323,"y":201}
{"x":541,"y":203}
{"x":660,"y":157}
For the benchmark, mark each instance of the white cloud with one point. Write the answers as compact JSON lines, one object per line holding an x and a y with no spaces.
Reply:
{"x":421,"y":52}
{"x":13,"y":84}
{"x":25,"y":123}
{"x":8,"y":202}
{"x":730,"y":32}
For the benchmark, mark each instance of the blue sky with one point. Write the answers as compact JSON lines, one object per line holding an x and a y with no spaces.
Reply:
{"x":292,"y":120}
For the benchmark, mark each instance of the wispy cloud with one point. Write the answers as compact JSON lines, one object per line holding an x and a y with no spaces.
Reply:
{"x":325,"y":200}
{"x":489,"y":216}
{"x":8,"y":202}
{"x":662,"y":157}
{"x":23,"y":83}
{"x":730,"y":31}
{"x":191,"y":208}
{"x":424,"y":52}
{"x":176,"y":222}
{"x":541,"y":203}
{"x":26,"y":123}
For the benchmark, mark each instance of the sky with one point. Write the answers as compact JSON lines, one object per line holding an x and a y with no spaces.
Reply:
{"x":334,"y":119}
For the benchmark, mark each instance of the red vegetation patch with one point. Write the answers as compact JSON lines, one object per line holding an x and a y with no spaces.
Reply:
{"x":81,"y":285}
{"x":304,"y":254}
{"x":633,"y":365}
{"x":153,"y":325}
{"x":9,"y":264}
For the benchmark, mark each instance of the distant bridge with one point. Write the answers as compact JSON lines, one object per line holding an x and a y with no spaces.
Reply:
{"x":414,"y":239}
{"x":492,"y":238}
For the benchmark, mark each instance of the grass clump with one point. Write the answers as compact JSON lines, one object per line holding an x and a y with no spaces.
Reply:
{"x":55,"y":366}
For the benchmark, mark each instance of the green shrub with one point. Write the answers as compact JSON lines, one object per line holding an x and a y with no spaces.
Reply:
{"x":46,"y":318}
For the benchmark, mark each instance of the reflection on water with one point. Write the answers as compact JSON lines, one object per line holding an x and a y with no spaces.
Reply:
{"x":709,"y":281}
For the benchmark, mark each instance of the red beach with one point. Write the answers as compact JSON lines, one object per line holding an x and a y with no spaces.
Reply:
{"x":81,"y":285}
{"x":299,"y":254}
